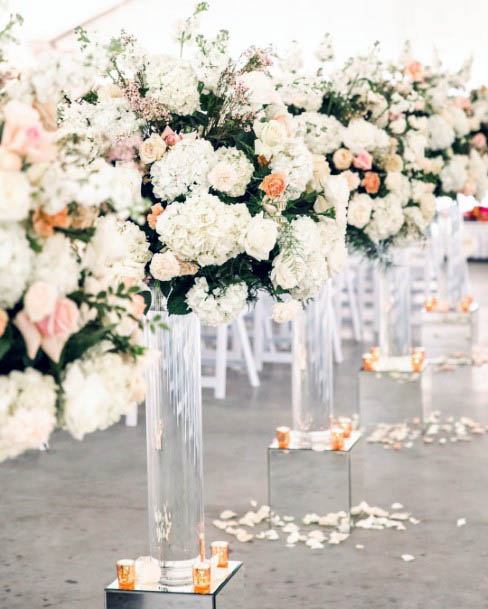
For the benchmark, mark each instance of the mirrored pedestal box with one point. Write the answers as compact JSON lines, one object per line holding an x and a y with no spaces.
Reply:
{"x":310,"y":480}
{"x":451,"y":333}
{"x":226,"y":592}
{"x":394,"y":396}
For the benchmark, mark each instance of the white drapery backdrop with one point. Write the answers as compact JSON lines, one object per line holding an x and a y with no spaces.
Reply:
{"x":456,"y":29}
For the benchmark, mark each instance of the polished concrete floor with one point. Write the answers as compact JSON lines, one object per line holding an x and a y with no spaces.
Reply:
{"x":67,"y":515}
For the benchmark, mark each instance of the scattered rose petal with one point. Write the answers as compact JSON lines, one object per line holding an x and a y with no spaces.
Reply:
{"x":407,"y":557}
{"x":227,"y":515}
{"x":396,"y":506}
{"x":359,"y":546}
{"x":461,"y":522}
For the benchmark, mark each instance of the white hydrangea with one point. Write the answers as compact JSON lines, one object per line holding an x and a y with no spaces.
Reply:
{"x":323,"y":134}
{"x":15,"y":263}
{"x":303,"y":92}
{"x":414,"y":146}
{"x":387,"y":218}
{"x":231,"y":173}
{"x":15,"y":196}
{"x":220,"y":307}
{"x":478,"y":174}
{"x":455,"y":174}
{"x":185,"y":167}
{"x":173,"y":83}
{"x":118,"y":251}
{"x":398,"y":184}
{"x":363,"y":135}
{"x":295,"y":162}
{"x":57,"y":264}
{"x":27,"y":411}
{"x":97,"y":390}
{"x":441,"y":134}
{"x":203,"y":229}
{"x":458,"y":120}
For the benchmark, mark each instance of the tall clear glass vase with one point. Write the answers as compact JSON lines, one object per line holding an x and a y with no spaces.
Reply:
{"x":312,"y":370}
{"x":174,"y":442}
{"x":393,"y":307}
{"x":447,"y":247}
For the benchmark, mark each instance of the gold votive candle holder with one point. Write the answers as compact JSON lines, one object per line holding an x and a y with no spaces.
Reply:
{"x":126,"y":573}
{"x":283,"y":437}
{"x":201,"y":577}
{"x":368,"y":362}
{"x":221,"y":550}
{"x":337,"y":438}
{"x":375,"y":354}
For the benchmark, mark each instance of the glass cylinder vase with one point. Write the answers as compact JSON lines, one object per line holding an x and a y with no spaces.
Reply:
{"x":312,"y":370}
{"x":174,"y":441}
{"x":393,"y":306}
{"x":448,"y":252}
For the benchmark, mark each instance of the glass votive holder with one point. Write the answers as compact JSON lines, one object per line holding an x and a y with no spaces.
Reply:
{"x":418,"y":359}
{"x":201,"y":577}
{"x":465,"y":304}
{"x":283,"y":437}
{"x":431,"y":304}
{"x":375,"y":354}
{"x":221,"y":550}
{"x":337,"y":438}
{"x":368,"y":362}
{"x":126,"y":573}
{"x":345,"y":424}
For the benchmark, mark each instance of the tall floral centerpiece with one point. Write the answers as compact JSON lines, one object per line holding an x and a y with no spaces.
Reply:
{"x":230,"y":190}
{"x":71,"y":268}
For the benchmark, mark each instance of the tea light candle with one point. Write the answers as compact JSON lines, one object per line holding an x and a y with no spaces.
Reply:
{"x":368,"y":362}
{"x":201,"y":577}
{"x":221,"y":550}
{"x":431,"y":304}
{"x":337,"y":438}
{"x":126,"y":573}
{"x":283,"y":437}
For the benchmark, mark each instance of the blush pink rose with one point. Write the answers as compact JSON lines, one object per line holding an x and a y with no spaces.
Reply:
{"x":363,"y":160}
{"x":170,"y":137}
{"x":24,"y":135}
{"x":479,"y":141}
{"x":63,"y":320}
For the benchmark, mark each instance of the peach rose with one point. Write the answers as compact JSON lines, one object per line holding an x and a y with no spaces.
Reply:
{"x":9,"y":161}
{"x":84,"y":217}
{"x":463,"y":102}
{"x":152,"y":149}
{"x":393,"y":162}
{"x":288,"y":122}
{"x":363,"y":160}
{"x":3,"y":321}
{"x":273,"y":185}
{"x":415,"y":70}
{"x":24,"y":134}
{"x":342,"y":158}
{"x":479,"y":141}
{"x":371,"y":182}
{"x":156,"y":211}
{"x":44,"y":224}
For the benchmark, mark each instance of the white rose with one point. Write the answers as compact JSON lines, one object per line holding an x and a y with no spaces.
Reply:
{"x":359,"y":212}
{"x":284,"y":273}
{"x":40,"y":300}
{"x":321,"y":172}
{"x":164,"y":266}
{"x":336,"y":190}
{"x":286,"y":311}
{"x":222,"y":176}
{"x":321,"y":205}
{"x":152,"y":149}
{"x":260,"y":237}
{"x":14,"y":196}
{"x":399,"y":125}
{"x":273,"y":133}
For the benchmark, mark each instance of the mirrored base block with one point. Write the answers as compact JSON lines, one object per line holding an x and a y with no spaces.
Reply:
{"x":226,"y":592}
{"x":393,"y":396}
{"x":304,"y":480}
{"x":451,"y":333}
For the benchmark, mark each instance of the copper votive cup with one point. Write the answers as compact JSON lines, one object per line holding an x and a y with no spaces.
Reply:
{"x":283,"y":437}
{"x":126,"y":573}
{"x":368,"y":362}
{"x":337,"y":438}
{"x":465,"y":304}
{"x":221,"y":550}
{"x":418,"y":359}
{"x":375,"y":354}
{"x":201,"y":577}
